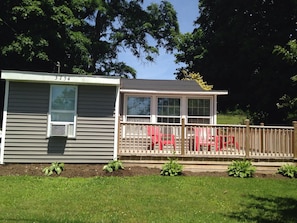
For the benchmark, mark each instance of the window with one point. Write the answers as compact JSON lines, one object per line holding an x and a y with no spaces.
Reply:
{"x":138,"y":109}
{"x":168,"y":110}
{"x":62,"y":115}
{"x":199,"y":111}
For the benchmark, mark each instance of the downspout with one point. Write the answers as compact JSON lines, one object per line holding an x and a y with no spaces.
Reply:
{"x":116,"y":124}
{"x":4,"y":120}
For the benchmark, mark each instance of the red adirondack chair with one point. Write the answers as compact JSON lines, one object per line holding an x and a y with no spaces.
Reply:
{"x":205,"y":138}
{"x":159,"y":138}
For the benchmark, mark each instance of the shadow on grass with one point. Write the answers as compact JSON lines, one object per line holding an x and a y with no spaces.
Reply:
{"x":267,"y":210}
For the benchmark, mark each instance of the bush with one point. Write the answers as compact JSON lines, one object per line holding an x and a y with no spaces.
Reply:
{"x":171,"y":168}
{"x":242,"y":168}
{"x":56,"y":167}
{"x":113,"y":165}
{"x":288,"y":170}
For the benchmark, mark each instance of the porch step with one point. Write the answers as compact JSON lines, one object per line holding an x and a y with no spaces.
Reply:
{"x":206,"y":166}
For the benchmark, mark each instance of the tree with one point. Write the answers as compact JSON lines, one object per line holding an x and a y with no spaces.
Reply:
{"x":288,"y":102}
{"x":37,"y":34}
{"x":233,"y":51}
{"x":84,"y":36}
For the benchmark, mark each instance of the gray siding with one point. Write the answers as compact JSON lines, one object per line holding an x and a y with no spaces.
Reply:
{"x":26,"y":122}
{"x":95,"y":123}
{"x":26,"y":140}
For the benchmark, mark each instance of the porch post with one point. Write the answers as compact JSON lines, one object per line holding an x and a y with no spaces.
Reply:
{"x":262,"y":137}
{"x":183,"y":137}
{"x":295,"y":139}
{"x":247,"y":138}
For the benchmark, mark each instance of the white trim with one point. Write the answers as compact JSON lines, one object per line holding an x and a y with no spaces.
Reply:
{"x":58,"y":78}
{"x":154,"y":107}
{"x":116,"y":125}
{"x":215,"y":110}
{"x":183,"y":107}
{"x":4,"y":121}
{"x":175,"y":92}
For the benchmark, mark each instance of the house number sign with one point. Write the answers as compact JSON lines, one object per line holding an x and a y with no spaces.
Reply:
{"x":62,"y":78}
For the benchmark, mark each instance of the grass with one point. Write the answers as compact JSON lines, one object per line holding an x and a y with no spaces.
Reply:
{"x":231,"y":119}
{"x":236,"y":117}
{"x":147,"y":199}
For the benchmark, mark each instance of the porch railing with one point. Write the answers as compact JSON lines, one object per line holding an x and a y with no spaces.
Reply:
{"x":246,"y":141}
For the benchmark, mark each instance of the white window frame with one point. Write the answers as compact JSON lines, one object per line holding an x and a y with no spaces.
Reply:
{"x":50,"y":122}
{"x":183,"y":107}
{"x":131,"y":130}
{"x":169,"y":116}
{"x":126,"y":116}
{"x":209,"y":117}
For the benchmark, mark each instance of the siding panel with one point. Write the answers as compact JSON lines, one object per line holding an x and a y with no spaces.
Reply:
{"x":95,"y":122}
{"x":26,"y":121}
{"x":28,"y":98}
{"x":26,"y":140}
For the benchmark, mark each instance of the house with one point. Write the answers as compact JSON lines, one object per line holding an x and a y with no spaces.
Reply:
{"x":74,"y":118}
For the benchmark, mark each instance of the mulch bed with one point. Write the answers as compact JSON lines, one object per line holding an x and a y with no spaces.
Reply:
{"x":93,"y":170}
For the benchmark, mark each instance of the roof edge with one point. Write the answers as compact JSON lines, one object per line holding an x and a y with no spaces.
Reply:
{"x":212,"y":92}
{"x":28,"y":76}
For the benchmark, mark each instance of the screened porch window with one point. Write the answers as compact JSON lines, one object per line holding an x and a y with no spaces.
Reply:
{"x":168,"y":110}
{"x":62,"y":115}
{"x":199,"y":111}
{"x":138,"y":109}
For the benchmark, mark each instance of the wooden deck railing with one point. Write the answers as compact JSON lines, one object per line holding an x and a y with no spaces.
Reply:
{"x":246,"y":141}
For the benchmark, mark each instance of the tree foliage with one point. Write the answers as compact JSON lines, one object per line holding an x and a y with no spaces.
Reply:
{"x":288,"y":102}
{"x":198,"y":78}
{"x":84,"y":36}
{"x":233,"y":49}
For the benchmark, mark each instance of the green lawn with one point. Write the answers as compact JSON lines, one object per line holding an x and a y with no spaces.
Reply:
{"x":147,"y":199}
{"x":232,"y":117}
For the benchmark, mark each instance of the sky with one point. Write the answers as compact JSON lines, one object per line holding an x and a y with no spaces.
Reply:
{"x":164,"y":65}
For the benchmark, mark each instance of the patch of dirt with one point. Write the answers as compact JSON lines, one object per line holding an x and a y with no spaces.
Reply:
{"x":93,"y":170}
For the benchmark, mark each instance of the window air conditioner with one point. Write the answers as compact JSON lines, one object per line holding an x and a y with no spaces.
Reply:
{"x":59,"y":130}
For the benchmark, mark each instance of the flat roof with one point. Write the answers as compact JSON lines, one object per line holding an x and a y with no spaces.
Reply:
{"x":166,"y":86}
{"x":61,"y":78}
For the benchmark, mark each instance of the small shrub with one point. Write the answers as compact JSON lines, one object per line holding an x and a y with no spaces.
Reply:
{"x":56,"y":167}
{"x":288,"y":170}
{"x":241,"y":168}
{"x":171,"y":168}
{"x":113,"y":165}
